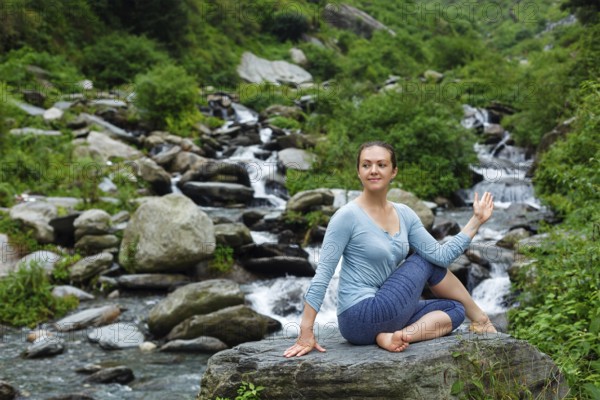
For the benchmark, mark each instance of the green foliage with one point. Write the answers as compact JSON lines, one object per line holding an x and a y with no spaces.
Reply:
{"x":26,"y":298}
{"x":246,"y":391}
{"x":20,"y":238}
{"x":586,"y":10}
{"x":184,"y":124}
{"x":222,"y":258}
{"x":285,"y":123}
{"x":288,"y":26}
{"x":61,"y":272}
{"x":166,"y":91}
{"x":323,"y":63}
{"x":117,"y":58}
{"x":567,"y":177}
{"x":127,"y":258}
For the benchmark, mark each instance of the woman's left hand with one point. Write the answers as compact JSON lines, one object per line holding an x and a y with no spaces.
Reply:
{"x":482,"y":209}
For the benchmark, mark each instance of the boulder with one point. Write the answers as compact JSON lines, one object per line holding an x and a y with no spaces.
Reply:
{"x":36,"y":215}
{"x":105,"y":148}
{"x":258,"y":70}
{"x":426,"y":370}
{"x":89,"y":267}
{"x":444,"y":227}
{"x":120,"y":375}
{"x":218,"y":171}
{"x":116,"y":336}
{"x":217,"y":193}
{"x":92,"y":222}
{"x":202,"y":344}
{"x":511,"y":239}
{"x":44,"y":258}
{"x":185,"y":160}
{"x":232,"y":325}
{"x":91,"y":317}
{"x":166,"y":234}
{"x":94,"y":244}
{"x":193,"y":299}
{"x":233,"y":235}
{"x":152,"y":281}
{"x":155,"y":175}
{"x":295,"y":159}
{"x":344,"y":16}
{"x":309,"y":199}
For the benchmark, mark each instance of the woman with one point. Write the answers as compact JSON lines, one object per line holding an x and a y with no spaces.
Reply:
{"x":379,"y":301}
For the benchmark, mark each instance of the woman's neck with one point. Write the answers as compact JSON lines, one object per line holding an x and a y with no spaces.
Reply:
{"x":373,"y":200}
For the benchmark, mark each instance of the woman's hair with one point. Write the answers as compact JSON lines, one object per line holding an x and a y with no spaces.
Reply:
{"x":378,"y":143}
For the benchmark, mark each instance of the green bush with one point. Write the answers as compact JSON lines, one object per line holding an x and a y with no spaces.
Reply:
{"x":288,"y":26}
{"x":222,"y":258}
{"x":26,"y":298}
{"x":166,"y":91}
{"x":118,"y":57}
{"x":322,"y":63}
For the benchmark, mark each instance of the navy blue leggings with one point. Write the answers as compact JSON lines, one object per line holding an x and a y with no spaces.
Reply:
{"x":397,"y":303}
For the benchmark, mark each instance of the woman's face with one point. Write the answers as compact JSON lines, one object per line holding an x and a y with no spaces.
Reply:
{"x":375,"y":168}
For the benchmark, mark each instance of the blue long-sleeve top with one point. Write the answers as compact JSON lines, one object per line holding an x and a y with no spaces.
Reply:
{"x":370,"y":254}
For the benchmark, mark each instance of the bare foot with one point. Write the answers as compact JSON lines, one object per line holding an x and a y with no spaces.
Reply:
{"x":483,"y":325}
{"x":394,"y":342}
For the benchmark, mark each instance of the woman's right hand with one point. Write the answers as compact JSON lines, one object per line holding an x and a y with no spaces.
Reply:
{"x":304,"y":345}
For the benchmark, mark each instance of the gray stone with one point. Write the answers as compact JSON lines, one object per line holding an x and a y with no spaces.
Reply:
{"x":298,"y":56}
{"x":296,"y":159}
{"x":423,"y":212}
{"x":36,"y":215}
{"x":10,"y":256}
{"x":202,"y":344}
{"x":44,"y":258}
{"x":444,"y":227}
{"x":233,"y":235}
{"x":433,"y":76}
{"x":307,"y":200}
{"x":89,"y":267}
{"x":7,"y":391}
{"x":152,"y":281}
{"x":109,"y":128}
{"x":185,"y":160}
{"x":45,"y":347}
{"x":164,"y":158}
{"x":426,"y":370}
{"x":513,"y":237}
{"x":218,"y":171}
{"x":155,"y":175}
{"x":92,"y":222}
{"x":217,"y":193}
{"x":116,"y":336}
{"x":66,"y":290}
{"x":91,"y":317}
{"x":120,"y":375}
{"x":344,"y":16}
{"x":193,"y":299}
{"x":258,"y":70}
{"x":106,"y":148}
{"x":94,"y":244}
{"x":53,"y":113}
{"x":233,"y":325}
{"x":166,"y":234}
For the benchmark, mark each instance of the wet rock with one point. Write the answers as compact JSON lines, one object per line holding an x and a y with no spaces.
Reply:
{"x":193,"y":299}
{"x":444,"y":227}
{"x":477,"y":274}
{"x":7,"y":391}
{"x":92,"y":222}
{"x":65,"y":290}
{"x":279,"y":266}
{"x":202,"y":344}
{"x":166,"y":234}
{"x":310,"y":199}
{"x":233,"y":235}
{"x":165,"y":158}
{"x":423,"y":212}
{"x":45,"y":347}
{"x":232,"y":325}
{"x":512,"y":238}
{"x":218,"y":193}
{"x":155,"y":175}
{"x":147,"y":347}
{"x":257,"y":70}
{"x":120,"y":375}
{"x":89,"y":267}
{"x":152,"y":281}
{"x":426,"y":370}
{"x":36,"y":215}
{"x":217,"y":171}
{"x":91,"y":317}
{"x":295,"y":159}
{"x":117,"y":336}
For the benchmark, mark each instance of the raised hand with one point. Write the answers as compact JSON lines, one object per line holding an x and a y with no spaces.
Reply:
{"x":482,"y":209}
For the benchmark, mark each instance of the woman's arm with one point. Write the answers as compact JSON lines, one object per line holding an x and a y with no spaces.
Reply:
{"x":430,"y":249}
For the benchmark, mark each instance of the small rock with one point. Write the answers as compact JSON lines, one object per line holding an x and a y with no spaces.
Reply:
{"x":120,"y":375}
{"x":147,"y":347}
{"x":45,"y":347}
{"x":66,"y":290}
{"x":92,"y":317}
{"x":7,"y":391}
{"x":117,"y":336}
{"x":202,"y":344}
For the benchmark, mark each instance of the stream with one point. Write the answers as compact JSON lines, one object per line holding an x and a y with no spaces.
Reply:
{"x":174,"y":376}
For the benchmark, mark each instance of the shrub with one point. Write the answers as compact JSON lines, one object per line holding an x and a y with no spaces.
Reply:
{"x":117,"y":58}
{"x":26,"y":298}
{"x":288,"y":26}
{"x":322,"y":63}
{"x":166,"y":91}
{"x":222,"y":258}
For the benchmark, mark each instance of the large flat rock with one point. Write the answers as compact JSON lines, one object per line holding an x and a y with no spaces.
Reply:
{"x":426,"y":370}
